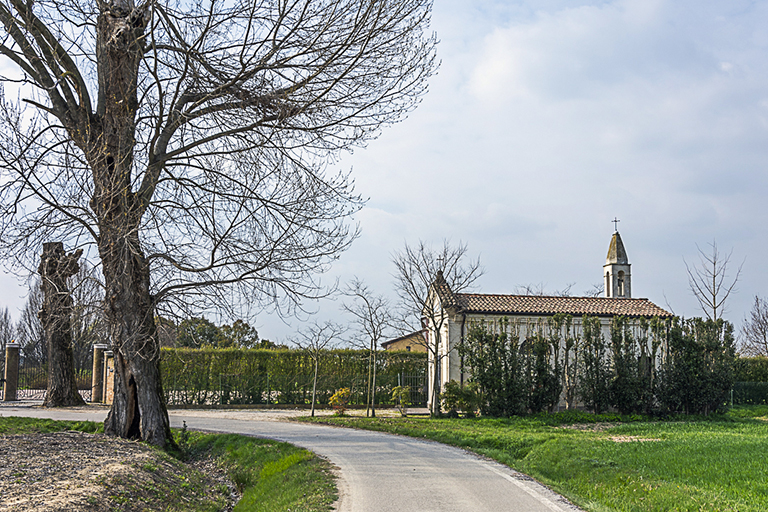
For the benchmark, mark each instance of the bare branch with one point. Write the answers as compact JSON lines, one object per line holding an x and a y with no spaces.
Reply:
{"x":709,"y":281}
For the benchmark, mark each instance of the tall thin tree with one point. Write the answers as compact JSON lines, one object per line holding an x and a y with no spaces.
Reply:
{"x":373,"y":320}
{"x":709,"y":280}
{"x":314,"y":339}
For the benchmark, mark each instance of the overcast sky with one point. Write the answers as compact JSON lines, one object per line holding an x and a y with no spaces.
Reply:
{"x":549,"y":118}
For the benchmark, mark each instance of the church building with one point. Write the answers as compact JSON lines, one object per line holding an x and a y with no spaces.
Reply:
{"x":454,"y":313}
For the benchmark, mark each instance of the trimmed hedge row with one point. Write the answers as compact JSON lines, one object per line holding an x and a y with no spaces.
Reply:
{"x":241,"y":376}
{"x":751,"y":369}
{"x":750,"y":393}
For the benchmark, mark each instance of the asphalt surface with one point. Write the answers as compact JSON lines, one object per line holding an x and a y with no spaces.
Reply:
{"x":377,"y":472}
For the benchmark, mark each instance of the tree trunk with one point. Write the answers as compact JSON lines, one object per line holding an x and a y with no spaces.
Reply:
{"x":56,"y":266}
{"x":373,"y":385}
{"x":436,"y":409}
{"x":314,"y":387}
{"x":138,"y":410}
{"x":368,"y":383}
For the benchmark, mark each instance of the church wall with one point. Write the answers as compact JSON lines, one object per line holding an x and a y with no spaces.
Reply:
{"x":527,"y":325}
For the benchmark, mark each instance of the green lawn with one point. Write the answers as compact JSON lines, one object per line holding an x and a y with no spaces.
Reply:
{"x":272,"y":476}
{"x":628,"y":464}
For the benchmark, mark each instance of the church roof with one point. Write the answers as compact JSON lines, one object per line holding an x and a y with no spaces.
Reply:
{"x":443,"y":290}
{"x":543,"y":305}
{"x":616,"y":252}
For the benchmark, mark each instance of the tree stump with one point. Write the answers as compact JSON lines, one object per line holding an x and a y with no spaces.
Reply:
{"x":55,"y":268}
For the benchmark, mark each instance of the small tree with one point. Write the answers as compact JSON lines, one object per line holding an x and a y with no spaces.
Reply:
{"x":709,"y":281}
{"x":490,"y":354}
{"x":754,"y":332}
{"x":6,"y":336}
{"x":595,"y":375}
{"x":313,"y":339}
{"x":29,"y":330}
{"x":571,"y":344}
{"x":426,"y":280}
{"x":626,"y":385}
{"x":372,"y":320}
{"x":540,"y":373}
{"x":698,"y":374}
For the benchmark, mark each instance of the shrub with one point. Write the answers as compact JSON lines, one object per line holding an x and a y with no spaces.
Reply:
{"x":339,"y":401}
{"x":697,"y":377}
{"x":401,"y":396}
{"x":466,"y":399}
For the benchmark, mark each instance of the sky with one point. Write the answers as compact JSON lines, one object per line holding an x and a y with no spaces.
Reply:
{"x":548,"y":119}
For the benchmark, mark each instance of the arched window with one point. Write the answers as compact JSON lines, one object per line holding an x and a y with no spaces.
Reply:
{"x":621,"y":284}
{"x":608,"y":285}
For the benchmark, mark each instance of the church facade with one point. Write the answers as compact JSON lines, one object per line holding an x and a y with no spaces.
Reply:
{"x":454,"y":313}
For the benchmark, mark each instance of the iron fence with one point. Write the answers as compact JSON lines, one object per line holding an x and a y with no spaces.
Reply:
{"x":33,"y":382}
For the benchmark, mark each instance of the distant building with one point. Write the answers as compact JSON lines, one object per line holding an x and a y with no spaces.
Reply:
{"x":530,"y":313}
{"x":413,"y":342}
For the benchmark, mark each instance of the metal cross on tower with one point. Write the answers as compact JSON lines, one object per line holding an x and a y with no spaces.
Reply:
{"x":616,"y":224}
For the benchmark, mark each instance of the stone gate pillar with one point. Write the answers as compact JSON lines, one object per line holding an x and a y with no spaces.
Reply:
{"x":97,"y":378}
{"x":11,"y":372}
{"x":109,"y":377}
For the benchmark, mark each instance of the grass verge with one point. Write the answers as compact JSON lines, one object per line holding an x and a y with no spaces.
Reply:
{"x":271,"y":476}
{"x":612,"y":463}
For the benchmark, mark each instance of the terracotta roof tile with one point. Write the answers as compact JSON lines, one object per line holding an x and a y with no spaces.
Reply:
{"x":543,"y":305}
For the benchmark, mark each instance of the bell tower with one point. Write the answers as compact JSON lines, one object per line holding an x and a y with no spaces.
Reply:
{"x":616,"y":271}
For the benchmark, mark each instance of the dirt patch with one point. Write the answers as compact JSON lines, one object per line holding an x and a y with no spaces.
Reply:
{"x":632,"y":439}
{"x":590,"y":427}
{"x":75,"y":471}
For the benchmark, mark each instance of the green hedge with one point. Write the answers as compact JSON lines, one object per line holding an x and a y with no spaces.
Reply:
{"x":240,"y":376}
{"x":750,"y":393}
{"x":751,"y":369}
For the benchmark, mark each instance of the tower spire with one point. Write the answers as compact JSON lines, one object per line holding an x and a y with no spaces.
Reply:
{"x":616,"y":270}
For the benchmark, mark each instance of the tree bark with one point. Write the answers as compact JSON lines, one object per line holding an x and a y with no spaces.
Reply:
{"x":138,"y":410}
{"x":56,"y":266}
{"x":314,"y":386}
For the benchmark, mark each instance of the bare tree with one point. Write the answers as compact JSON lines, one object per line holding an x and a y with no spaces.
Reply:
{"x":538,"y":289}
{"x":314,"y":339}
{"x":87,"y":318}
{"x":6,"y":336}
{"x":56,"y":267}
{"x":29,"y":330}
{"x":373,"y":320}
{"x":187,"y":142}
{"x":754,"y":331}
{"x":597,"y":290}
{"x":709,"y":281}
{"x":426,"y":280}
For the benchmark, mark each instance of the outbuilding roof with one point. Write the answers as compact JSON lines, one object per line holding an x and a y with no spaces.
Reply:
{"x":544,"y":305}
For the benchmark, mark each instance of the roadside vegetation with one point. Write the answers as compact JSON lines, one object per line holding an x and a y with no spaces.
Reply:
{"x":610,"y":462}
{"x":269,"y":475}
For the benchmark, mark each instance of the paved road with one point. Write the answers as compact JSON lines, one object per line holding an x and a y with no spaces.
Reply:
{"x":378,"y":472}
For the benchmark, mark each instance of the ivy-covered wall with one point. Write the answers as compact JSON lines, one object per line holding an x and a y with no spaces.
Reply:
{"x":657,"y":366}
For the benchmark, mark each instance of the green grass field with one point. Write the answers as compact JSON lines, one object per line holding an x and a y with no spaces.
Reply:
{"x":612,"y":463}
{"x":271,"y":476}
